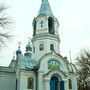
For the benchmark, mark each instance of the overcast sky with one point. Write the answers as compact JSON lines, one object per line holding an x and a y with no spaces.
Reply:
{"x":73,"y":17}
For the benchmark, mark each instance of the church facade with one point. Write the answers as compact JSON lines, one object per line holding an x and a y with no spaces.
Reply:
{"x":41,"y":67}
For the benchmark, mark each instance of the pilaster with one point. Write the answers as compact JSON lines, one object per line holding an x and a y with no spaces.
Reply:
{"x":47,"y":83}
{"x":40,"y":80}
{"x":66,"y":84}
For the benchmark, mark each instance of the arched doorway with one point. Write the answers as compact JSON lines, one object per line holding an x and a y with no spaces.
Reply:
{"x":54,"y":83}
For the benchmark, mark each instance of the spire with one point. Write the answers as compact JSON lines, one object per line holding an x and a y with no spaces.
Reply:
{"x":45,"y":8}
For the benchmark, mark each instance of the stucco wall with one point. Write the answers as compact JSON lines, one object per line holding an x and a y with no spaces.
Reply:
{"x":7,"y":81}
{"x":24,"y":75}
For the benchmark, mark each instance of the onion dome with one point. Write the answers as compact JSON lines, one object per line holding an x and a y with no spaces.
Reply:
{"x":28,"y":47}
{"x":18,"y":51}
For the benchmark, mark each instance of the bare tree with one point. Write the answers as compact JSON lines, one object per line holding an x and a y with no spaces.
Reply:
{"x":5,"y":23}
{"x":83,"y":66}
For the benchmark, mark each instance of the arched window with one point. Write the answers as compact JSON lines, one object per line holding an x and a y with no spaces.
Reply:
{"x":41,"y":47}
{"x":33,"y":49}
{"x":51,"y":25}
{"x":53,"y":64}
{"x":16,"y":83}
{"x":54,"y":83}
{"x":51,"y":47}
{"x":30,"y":83}
{"x":34,"y":27}
{"x":70,"y":83}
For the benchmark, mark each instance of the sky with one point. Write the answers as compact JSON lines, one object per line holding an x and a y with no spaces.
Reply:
{"x":74,"y":29}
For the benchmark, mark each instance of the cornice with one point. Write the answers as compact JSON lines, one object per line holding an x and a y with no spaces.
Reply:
{"x":45,"y":36}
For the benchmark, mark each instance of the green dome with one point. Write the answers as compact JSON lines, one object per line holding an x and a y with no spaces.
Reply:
{"x":28,"y":47}
{"x":18,"y":51}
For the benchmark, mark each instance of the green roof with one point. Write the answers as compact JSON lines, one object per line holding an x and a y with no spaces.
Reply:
{"x":45,"y":8}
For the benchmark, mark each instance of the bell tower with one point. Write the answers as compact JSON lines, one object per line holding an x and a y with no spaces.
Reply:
{"x":45,"y":32}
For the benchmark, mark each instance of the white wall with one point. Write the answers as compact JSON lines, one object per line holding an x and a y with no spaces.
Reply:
{"x":24,"y":75}
{"x":7,"y":81}
{"x":46,"y":41}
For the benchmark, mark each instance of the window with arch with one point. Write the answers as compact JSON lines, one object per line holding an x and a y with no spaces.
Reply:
{"x":34,"y":27}
{"x":33,"y":49}
{"x":70,"y":83}
{"x":16,"y":83}
{"x":51,"y":25}
{"x":41,"y":47}
{"x":30,"y":83}
{"x":53,"y":64}
{"x":51,"y":47}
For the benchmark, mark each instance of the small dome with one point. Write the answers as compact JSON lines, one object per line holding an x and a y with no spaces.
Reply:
{"x":18,"y":51}
{"x":28,"y":47}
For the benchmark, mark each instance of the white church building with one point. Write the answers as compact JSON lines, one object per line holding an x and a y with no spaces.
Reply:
{"x":41,"y":67}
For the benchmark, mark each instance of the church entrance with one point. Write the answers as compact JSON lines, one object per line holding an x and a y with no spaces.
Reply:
{"x":55,"y":84}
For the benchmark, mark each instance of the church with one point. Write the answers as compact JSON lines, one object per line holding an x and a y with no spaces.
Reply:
{"x":41,"y":67}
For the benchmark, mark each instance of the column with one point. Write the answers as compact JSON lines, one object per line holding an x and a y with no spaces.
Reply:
{"x":65,"y":84}
{"x":47,"y":83}
{"x":40,"y":80}
{"x":74,"y":83}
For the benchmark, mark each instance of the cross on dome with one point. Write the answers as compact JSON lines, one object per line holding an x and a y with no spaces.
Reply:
{"x":19,"y":44}
{"x":14,"y":55}
{"x":18,"y":51}
{"x":29,"y":39}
